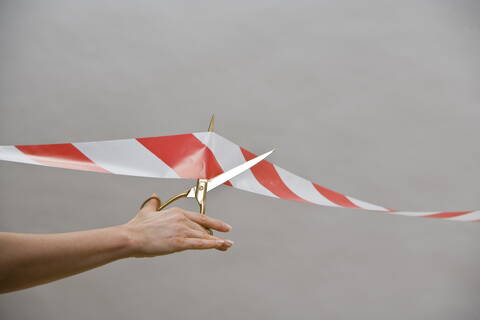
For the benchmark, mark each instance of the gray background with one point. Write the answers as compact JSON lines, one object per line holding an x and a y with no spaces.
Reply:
{"x":376,"y":99}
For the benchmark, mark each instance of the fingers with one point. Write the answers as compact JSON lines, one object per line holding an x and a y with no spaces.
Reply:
{"x":191,"y":233}
{"x":202,"y":244}
{"x":207,"y":222}
{"x":204,"y":235}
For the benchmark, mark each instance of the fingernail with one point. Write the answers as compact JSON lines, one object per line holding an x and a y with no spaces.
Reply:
{"x":154,"y":195}
{"x":228,"y":226}
{"x":229,"y":242}
{"x":220,"y":242}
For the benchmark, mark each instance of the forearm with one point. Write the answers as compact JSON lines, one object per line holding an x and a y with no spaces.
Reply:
{"x":27,"y":260}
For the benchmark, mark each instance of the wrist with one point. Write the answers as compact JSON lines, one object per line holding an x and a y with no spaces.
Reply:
{"x":131,"y":240}
{"x":127,"y":240}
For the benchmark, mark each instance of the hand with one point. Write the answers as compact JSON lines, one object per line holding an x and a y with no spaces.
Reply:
{"x":156,"y":233}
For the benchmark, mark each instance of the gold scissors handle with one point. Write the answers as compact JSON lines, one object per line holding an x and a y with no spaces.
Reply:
{"x":163,"y":205}
{"x":171,"y":200}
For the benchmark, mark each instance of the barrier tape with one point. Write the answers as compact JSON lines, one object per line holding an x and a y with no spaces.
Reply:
{"x":193,"y":156}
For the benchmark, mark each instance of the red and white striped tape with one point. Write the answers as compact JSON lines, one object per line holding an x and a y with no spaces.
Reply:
{"x":194,"y":156}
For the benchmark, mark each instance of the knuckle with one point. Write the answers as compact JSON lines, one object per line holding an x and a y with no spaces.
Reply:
{"x":177,"y":228}
{"x":180,"y":229}
{"x":178,"y":242}
{"x":180,"y":217}
{"x":193,"y":243}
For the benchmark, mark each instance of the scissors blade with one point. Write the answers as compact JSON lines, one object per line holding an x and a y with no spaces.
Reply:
{"x":227,"y":175}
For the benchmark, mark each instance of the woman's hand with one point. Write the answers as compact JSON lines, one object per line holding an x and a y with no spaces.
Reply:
{"x":154,"y":233}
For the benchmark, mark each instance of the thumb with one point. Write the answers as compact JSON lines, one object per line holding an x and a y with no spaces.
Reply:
{"x":152,"y":204}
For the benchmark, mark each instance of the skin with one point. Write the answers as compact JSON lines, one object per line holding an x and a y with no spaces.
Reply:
{"x":28,"y":260}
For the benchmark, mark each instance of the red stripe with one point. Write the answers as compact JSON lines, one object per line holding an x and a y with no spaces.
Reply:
{"x":63,"y":155}
{"x":185,"y":154}
{"x":335,"y":197}
{"x":448,"y":214}
{"x":266,"y":174}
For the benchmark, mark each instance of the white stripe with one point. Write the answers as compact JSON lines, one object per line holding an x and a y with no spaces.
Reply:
{"x":303,"y":188}
{"x":10,"y":153}
{"x":366,"y":205}
{"x":467,"y":217}
{"x":128,"y":157}
{"x":228,"y":155}
{"x":414,"y":213}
